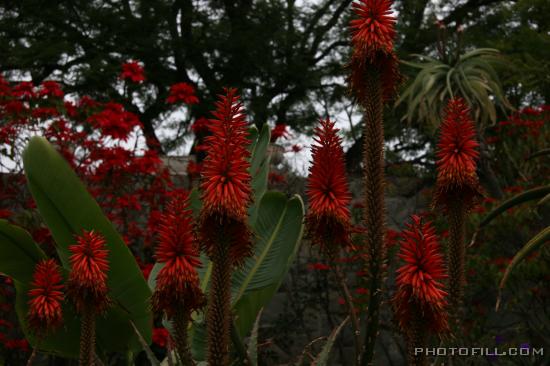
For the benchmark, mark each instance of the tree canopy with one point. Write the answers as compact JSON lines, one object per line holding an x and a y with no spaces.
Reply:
{"x":287,"y":57}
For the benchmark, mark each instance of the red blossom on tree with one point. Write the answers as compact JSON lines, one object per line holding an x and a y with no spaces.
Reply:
{"x":279,"y":131}
{"x":226,"y":191}
{"x":114,"y":121}
{"x":457,"y":154}
{"x":182,"y":93}
{"x":87,"y":285}
{"x":50,"y":88}
{"x":24,"y":90}
{"x":5,"y":89}
{"x":373,"y":33}
{"x":177,"y":282}
{"x":132,"y":71}
{"x":328,"y":221}
{"x":45,"y":298}
{"x":420,"y":295}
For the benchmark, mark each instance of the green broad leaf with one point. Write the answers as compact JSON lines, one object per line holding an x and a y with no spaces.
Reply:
{"x":253,"y":342}
{"x":259,"y":164}
{"x":18,"y":253}
{"x":532,"y":194}
{"x":68,"y":208}
{"x":323,"y":357}
{"x":278,"y":230}
{"x":535,"y":243}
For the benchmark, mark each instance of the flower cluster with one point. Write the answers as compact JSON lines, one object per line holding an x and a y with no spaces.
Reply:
{"x":279,"y":131}
{"x":328,"y":220}
{"x":114,"y":121}
{"x":45,"y":298}
{"x":177,"y":282}
{"x":373,"y":33}
{"x":457,"y":154}
{"x":182,"y":93}
{"x":132,"y":71}
{"x":225,"y":186}
{"x":87,"y":284}
{"x":420,"y":295}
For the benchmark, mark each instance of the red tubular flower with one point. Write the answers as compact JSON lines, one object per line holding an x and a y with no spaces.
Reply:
{"x":328,"y":220}
{"x":420,"y":291}
{"x":177,"y":282}
{"x":226,"y":191}
{"x":87,"y":285}
{"x":182,"y":93}
{"x":132,"y":71}
{"x":46,"y":297}
{"x":373,"y":33}
{"x":457,"y":154}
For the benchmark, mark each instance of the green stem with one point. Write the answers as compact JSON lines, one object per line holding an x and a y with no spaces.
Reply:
{"x":181,"y":320}
{"x":219,"y":307}
{"x":456,"y":254}
{"x":374,"y":214}
{"x":87,"y":338}
{"x":417,"y":337}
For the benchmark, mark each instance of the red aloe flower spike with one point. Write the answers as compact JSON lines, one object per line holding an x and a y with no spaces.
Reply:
{"x":373,"y":33}
{"x":374,"y":28}
{"x":226,"y":194}
{"x":87,"y":288}
{"x":45,"y":298}
{"x":328,"y":220}
{"x":373,"y":80}
{"x":87,"y":285}
{"x":457,"y":155}
{"x":457,"y":188}
{"x":420,"y":301}
{"x":226,"y":191}
{"x":177,"y":292}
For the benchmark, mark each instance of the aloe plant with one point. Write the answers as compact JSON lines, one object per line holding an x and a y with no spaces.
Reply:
{"x":277,"y":225}
{"x":67,"y":208}
{"x":471,"y":76}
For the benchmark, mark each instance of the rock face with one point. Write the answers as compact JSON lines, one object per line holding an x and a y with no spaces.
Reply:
{"x":308,"y":305}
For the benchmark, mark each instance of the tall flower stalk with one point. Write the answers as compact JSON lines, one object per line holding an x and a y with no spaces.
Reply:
{"x":87,"y":288}
{"x":457,"y":186}
{"x":373,"y":79}
{"x":328,"y":222}
{"x":177,"y":292}
{"x":420,"y":301}
{"x":223,"y":228}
